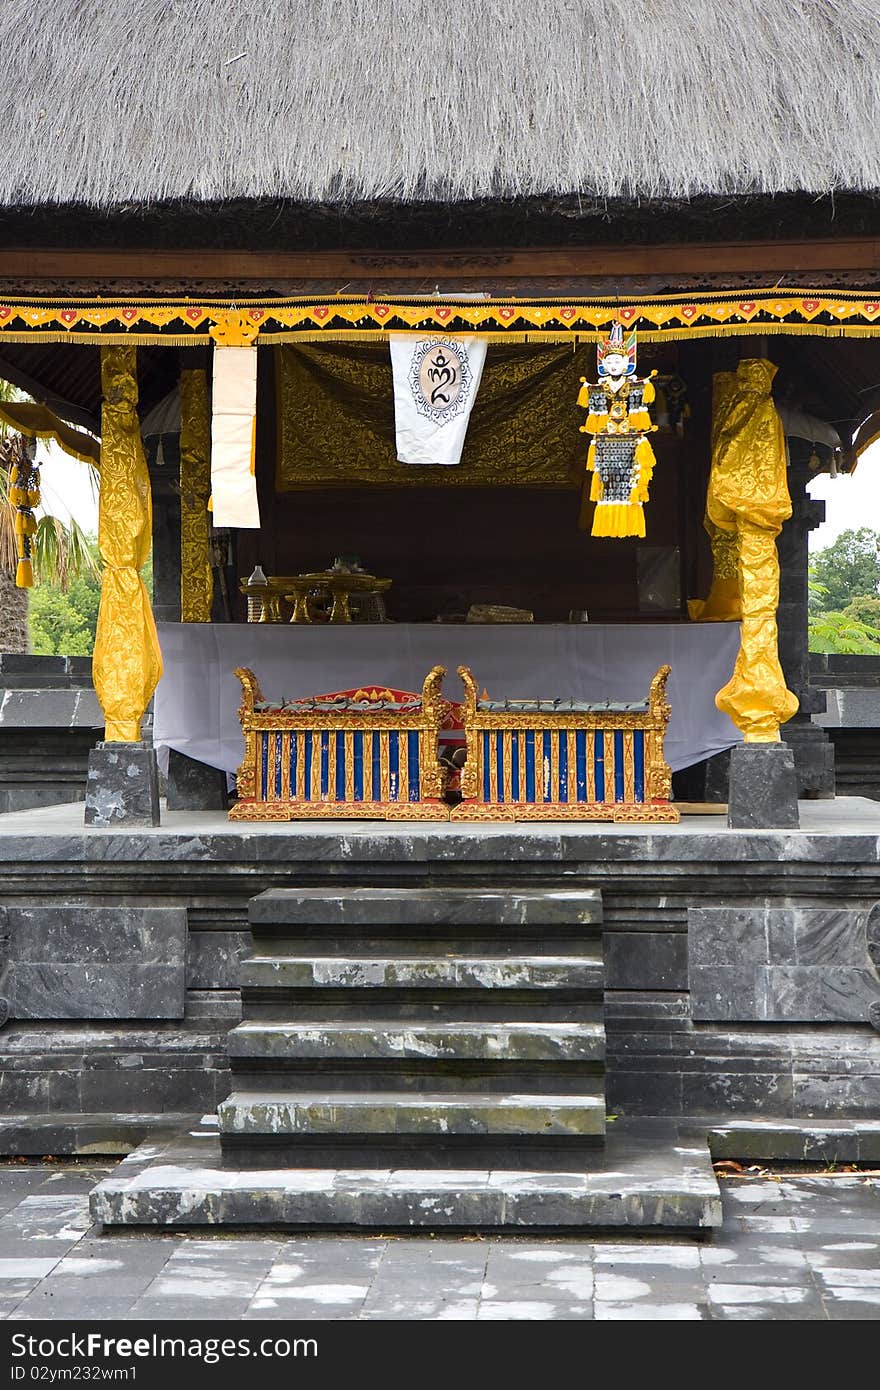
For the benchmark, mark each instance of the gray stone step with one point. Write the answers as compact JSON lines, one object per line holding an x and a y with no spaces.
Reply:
{"x":809,"y":1140}
{"x":451,"y":971}
{"x":650,"y":1176}
{"x":429,"y":907}
{"x":381,"y":1113}
{"x":393,"y":1040}
{"x":96,"y":1133}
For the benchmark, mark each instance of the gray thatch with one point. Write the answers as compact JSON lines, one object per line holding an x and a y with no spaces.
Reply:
{"x":110,"y":102}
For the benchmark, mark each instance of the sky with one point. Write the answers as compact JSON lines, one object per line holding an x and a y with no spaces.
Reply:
{"x":851,"y":500}
{"x":67,"y":487}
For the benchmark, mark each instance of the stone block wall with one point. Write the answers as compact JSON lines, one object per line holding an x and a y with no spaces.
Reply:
{"x":817,"y":890}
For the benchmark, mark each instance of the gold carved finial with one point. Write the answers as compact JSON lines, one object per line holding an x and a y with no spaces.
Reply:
{"x":231,"y":328}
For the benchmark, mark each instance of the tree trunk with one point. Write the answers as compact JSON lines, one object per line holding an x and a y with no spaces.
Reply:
{"x":13,"y":615}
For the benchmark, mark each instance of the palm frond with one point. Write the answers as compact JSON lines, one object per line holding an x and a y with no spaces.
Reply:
{"x":61,"y":552}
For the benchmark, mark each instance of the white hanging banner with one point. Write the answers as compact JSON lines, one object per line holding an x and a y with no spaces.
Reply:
{"x":233,"y":427}
{"x":435,"y":384}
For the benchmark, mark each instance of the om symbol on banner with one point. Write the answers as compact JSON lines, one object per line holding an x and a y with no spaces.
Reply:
{"x":440,"y":378}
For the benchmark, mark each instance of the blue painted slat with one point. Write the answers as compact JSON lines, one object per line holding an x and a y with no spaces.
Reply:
{"x":340,"y":765}
{"x":264,"y":767}
{"x":514,"y":765}
{"x":547,"y":765}
{"x":293,"y":743}
{"x":618,"y":765}
{"x":279,"y":740}
{"x":393,"y":765}
{"x":580,"y":754}
{"x":325,"y":762}
{"x":485,"y":765}
{"x":415,"y":781}
{"x":307,"y":767}
{"x":358,"y":765}
{"x":639,"y":763}
{"x":376,"y":766}
{"x":499,"y":763}
{"x":563,"y":765}
{"x":530,"y":764}
{"x":599,"y":763}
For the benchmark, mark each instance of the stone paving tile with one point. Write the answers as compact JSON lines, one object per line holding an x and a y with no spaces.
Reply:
{"x":796,"y":1249}
{"x":176,"y":1310}
{"x":532,"y":1310}
{"x":46,"y":1305}
{"x":850,"y":1305}
{"x":649,"y":1311}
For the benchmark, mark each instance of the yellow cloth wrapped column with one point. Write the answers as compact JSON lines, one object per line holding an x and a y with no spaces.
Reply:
{"x":748,"y":492}
{"x":722,"y":604}
{"x":196,"y":578}
{"x":127,"y":663}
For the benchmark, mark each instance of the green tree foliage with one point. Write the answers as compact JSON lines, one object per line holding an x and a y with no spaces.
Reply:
{"x":63,"y":620}
{"x":63,"y":624}
{"x":841,"y":632}
{"x":846,"y":570}
{"x":864,"y":610}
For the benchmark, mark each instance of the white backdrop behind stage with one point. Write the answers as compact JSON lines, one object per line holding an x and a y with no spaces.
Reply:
{"x":196,"y":708}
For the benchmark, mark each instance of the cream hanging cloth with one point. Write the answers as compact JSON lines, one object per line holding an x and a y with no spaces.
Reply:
{"x":233,"y":429}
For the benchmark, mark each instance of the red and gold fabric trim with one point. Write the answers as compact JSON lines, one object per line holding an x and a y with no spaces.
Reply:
{"x":342,"y":318}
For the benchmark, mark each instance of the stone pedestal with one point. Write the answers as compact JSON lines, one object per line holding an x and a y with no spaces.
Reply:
{"x":193,"y":786}
{"x":763,"y":788}
{"x":812,"y":749}
{"x":122,"y":785}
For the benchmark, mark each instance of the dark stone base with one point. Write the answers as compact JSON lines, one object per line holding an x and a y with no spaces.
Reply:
{"x":122,"y":786}
{"x":813,"y":757}
{"x":193,"y":786}
{"x":763,"y":788}
{"x":652,"y":1175}
{"x":856,"y":761}
{"x":704,"y":781}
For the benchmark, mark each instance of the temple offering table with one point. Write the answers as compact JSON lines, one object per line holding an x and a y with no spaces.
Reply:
{"x":197,"y":700}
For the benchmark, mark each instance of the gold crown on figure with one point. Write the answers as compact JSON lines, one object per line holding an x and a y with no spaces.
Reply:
{"x":616,"y":344}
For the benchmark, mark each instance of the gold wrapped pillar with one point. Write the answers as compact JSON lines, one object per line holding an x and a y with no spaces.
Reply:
{"x":127,"y":662}
{"x":723,"y":602}
{"x":196,"y":578}
{"x":748,"y":497}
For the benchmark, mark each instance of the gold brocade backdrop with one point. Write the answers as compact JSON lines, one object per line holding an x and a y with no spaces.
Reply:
{"x":336,"y":420}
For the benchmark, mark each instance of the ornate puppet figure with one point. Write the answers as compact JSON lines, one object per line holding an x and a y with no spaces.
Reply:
{"x":620,"y":459}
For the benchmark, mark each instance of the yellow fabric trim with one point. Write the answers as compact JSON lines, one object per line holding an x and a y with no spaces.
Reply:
{"x":759,"y":310}
{"x":640,"y":420}
{"x":619,"y":519}
{"x":39,"y":422}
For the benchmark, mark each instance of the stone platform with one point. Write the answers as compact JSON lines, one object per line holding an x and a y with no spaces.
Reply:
{"x":769,"y":1059}
{"x":650,"y":1176}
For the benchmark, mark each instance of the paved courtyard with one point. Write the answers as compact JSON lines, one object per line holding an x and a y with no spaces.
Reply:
{"x":797,"y":1247}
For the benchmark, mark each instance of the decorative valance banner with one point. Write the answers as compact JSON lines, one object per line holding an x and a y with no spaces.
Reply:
{"x":335,"y":420}
{"x":436,"y":381}
{"x":233,"y":428}
{"x":180,"y":323}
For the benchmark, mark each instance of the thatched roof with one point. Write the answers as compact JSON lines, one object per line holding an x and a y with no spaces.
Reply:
{"x":117,"y":102}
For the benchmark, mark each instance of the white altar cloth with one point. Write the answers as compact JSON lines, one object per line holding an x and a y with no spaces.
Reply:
{"x":196,"y":706}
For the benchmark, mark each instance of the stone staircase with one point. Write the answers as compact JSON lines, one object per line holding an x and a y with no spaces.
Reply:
{"x":420,"y":1058}
{"x":419,"y":1028}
